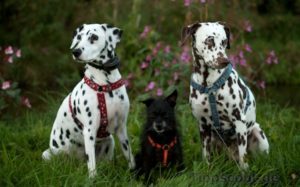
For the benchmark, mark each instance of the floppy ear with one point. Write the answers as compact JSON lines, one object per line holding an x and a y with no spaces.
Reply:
{"x":188,"y":31}
{"x":113,"y":36}
{"x":172,"y":98}
{"x":227,"y":31}
{"x":148,"y":102}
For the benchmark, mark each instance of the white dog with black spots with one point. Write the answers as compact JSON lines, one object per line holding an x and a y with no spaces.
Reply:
{"x":209,"y":42}
{"x":94,"y":45}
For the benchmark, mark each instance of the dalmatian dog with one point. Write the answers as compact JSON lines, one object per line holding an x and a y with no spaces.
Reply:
{"x":80,"y":128}
{"x":235,"y":103}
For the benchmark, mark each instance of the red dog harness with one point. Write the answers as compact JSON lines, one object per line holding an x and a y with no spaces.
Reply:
{"x":165,"y":148}
{"x":102,"y":132}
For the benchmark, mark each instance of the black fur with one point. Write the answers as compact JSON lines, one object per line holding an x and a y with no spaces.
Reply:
{"x":149,"y":157}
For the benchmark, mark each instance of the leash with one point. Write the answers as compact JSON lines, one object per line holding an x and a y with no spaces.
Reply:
{"x":102,"y":132}
{"x":165,"y":148}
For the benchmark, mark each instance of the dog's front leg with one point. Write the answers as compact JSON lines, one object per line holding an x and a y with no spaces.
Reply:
{"x":89,"y":144}
{"x":205,"y":135}
{"x":241,"y":131}
{"x":124,"y":143}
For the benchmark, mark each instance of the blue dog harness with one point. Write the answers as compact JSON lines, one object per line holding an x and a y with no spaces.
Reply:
{"x":212,"y":99}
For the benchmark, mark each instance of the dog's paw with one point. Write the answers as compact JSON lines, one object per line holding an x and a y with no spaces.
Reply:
{"x":244,"y":166}
{"x":46,"y":155}
{"x":92,"y":174}
{"x":131,"y":165}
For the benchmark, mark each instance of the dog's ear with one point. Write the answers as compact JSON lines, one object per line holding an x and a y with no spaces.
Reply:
{"x":148,"y":101}
{"x":227,"y":31}
{"x":113,"y":35}
{"x":188,"y":31}
{"x":171,"y":99}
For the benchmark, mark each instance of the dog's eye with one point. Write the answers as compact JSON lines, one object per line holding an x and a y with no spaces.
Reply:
{"x":209,"y":40}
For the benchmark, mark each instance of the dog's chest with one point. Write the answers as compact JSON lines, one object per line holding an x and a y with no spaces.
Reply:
{"x":230,"y":103}
{"x":87,"y":103}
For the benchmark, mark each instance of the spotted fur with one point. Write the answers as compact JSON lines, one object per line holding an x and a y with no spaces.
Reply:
{"x":209,"y":41}
{"x":92,"y":43}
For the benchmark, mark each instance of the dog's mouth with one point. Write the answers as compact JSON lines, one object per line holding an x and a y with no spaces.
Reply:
{"x":222,"y":63}
{"x":159,"y":127}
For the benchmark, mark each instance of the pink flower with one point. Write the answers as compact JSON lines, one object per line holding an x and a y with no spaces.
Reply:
{"x":9,"y":50}
{"x":238,"y":59}
{"x":156,"y":72}
{"x":187,"y":2}
{"x":148,"y":58}
{"x":156,"y":48}
{"x":261,"y":84}
{"x":18,"y":53}
{"x":10,"y":59}
{"x":128,"y":80}
{"x":6,"y":85}
{"x":167,"y":49}
{"x":185,"y":55}
{"x":150,"y":86}
{"x":202,"y":1}
{"x":146,"y":31}
{"x":248,"y":48}
{"x":159,"y":92}
{"x":247,"y":26}
{"x":144,"y":65}
{"x":25,"y":101}
{"x":272,"y":58}
{"x":166,"y":64}
{"x":175,"y":76}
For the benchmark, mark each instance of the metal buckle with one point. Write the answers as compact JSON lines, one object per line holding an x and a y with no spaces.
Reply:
{"x":100,"y":89}
{"x":165,"y":147}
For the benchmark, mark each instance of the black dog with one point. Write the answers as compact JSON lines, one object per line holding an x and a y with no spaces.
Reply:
{"x":160,"y":141}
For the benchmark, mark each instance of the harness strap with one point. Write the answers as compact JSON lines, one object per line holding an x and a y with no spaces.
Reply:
{"x":102,"y":132}
{"x":212,"y":98}
{"x":165,"y":148}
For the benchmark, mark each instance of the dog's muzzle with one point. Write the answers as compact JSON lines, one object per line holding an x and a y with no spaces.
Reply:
{"x":222,"y":62}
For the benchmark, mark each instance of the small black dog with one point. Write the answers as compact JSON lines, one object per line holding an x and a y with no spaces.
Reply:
{"x":160,"y":141}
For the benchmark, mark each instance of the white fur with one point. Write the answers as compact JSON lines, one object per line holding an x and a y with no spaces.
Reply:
{"x":79,"y":142}
{"x":229,"y":98}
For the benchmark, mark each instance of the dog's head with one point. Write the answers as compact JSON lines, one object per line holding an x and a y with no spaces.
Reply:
{"x":160,"y":113}
{"x":209,"y":42}
{"x":95,"y":43}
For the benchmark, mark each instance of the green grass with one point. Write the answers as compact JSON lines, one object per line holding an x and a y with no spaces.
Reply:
{"x":24,"y":139}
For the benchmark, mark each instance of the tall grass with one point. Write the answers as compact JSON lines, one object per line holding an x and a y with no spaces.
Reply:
{"x":24,"y":139}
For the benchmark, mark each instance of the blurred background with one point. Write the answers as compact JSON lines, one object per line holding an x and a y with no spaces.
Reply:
{"x":36,"y":63}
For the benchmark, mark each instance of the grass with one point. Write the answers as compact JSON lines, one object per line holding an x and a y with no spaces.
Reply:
{"x":24,"y":139}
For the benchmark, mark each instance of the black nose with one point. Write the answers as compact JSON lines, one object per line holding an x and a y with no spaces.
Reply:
{"x":76,"y":52}
{"x":159,"y":126}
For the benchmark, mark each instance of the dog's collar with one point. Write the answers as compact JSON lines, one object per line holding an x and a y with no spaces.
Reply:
{"x":103,"y":88}
{"x":110,"y":65}
{"x":165,"y":148}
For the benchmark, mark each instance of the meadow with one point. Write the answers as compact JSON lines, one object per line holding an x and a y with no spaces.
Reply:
{"x":24,"y":140}
{"x":37,"y":72}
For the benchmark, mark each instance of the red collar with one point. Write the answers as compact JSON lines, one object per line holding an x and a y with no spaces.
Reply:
{"x":103,"y":88}
{"x":165,"y":148}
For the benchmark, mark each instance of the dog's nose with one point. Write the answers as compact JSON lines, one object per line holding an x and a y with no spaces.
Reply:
{"x":76,"y":52}
{"x":223,"y":62}
{"x":159,"y":126}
